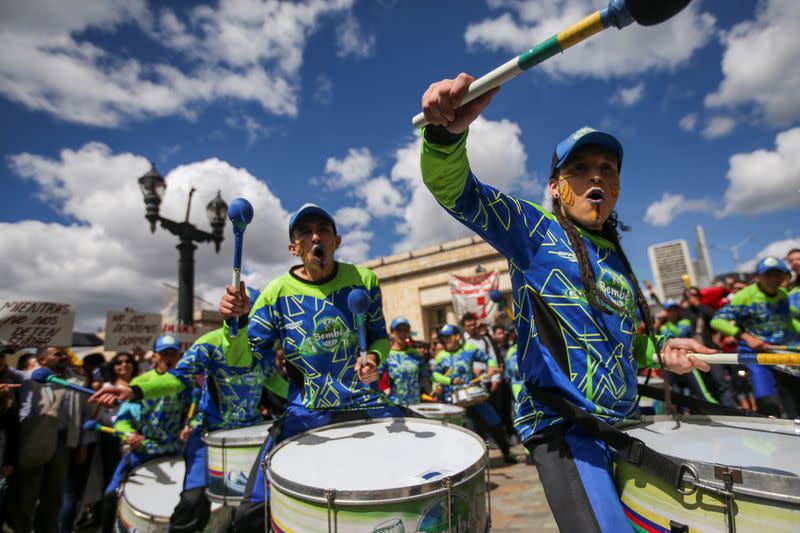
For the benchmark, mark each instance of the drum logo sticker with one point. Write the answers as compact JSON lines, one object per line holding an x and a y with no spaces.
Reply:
{"x":435,"y":517}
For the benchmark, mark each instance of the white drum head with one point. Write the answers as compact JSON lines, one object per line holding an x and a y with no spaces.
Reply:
{"x":154,"y":488}
{"x":375,"y":455}
{"x":760,"y":445}
{"x":250,"y":435}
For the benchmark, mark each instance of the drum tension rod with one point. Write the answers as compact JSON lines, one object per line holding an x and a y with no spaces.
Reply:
{"x":330,"y":496}
{"x":728,"y":476}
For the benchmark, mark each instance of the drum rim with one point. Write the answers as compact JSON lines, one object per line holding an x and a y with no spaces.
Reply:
{"x":210,"y":440}
{"x":137,"y":512}
{"x":758,"y":485}
{"x":375,"y":496}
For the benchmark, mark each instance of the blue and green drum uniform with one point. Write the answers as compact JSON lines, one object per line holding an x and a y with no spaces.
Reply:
{"x":406,"y":368}
{"x":312,"y":323}
{"x":453,"y":366}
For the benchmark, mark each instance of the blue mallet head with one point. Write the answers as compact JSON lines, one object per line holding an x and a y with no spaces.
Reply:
{"x":91,"y":425}
{"x":41,"y":374}
{"x":240,"y":213}
{"x":358,"y":301}
{"x":495,"y":296}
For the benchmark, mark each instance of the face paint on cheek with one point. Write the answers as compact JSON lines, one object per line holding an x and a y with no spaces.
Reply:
{"x":299,"y":250}
{"x":615,"y":190}
{"x":566,"y":191}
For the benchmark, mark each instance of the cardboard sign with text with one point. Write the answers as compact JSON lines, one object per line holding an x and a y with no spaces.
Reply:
{"x":34,"y":324}
{"x":185,"y":334}
{"x":126,"y":330}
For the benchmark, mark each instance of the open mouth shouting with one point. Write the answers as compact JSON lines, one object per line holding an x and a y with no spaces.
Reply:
{"x":318,"y":254}
{"x":595,"y":196}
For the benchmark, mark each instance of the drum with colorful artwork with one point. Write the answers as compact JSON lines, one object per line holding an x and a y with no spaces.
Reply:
{"x":391,"y":475}
{"x":231,"y":454}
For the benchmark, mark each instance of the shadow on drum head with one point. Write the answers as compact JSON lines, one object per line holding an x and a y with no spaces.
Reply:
{"x":400,"y":426}
{"x":312,"y":439}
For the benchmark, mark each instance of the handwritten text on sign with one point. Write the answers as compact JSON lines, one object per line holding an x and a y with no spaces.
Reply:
{"x":126,"y":330}
{"x":35,"y":324}
{"x":185,"y":334}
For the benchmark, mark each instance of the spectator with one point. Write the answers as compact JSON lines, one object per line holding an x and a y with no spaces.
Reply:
{"x":122,"y":368}
{"x":27,"y":362}
{"x":51,"y":431}
{"x":9,"y":425}
{"x":500,"y":340}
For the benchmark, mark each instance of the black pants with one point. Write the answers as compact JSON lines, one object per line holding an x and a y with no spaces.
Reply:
{"x":487,"y":422}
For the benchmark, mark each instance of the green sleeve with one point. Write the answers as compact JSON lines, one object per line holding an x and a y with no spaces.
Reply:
{"x":441,"y":378}
{"x":724,"y":327}
{"x":644,"y":350}
{"x":492,"y":363}
{"x":159,"y":386}
{"x":445,"y":169}
{"x":380,"y":347}
{"x":238,"y":351}
{"x":277,"y":384}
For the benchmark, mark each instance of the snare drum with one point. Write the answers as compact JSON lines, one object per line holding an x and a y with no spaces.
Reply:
{"x":468,"y":395}
{"x":389,"y":475}
{"x":150,"y":494}
{"x":762,"y":470}
{"x":445,"y":412}
{"x":231,"y":454}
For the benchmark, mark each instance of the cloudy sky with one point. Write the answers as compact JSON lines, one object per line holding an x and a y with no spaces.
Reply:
{"x":285,"y":103}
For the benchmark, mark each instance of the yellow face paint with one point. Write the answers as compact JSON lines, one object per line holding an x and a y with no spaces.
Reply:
{"x":566,"y":191}
{"x":615,"y":190}
{"x":299,"y":251}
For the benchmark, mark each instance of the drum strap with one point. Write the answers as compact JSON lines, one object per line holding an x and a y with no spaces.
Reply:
{"x":628,"y":448}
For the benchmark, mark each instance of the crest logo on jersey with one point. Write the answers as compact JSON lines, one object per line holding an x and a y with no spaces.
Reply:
{"x":617,"y":289}
{"x":330,"y":334}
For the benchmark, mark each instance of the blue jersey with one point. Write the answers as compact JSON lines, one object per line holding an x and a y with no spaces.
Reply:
{"x":458,"y":365}
{"x":405,"y":368}
{"x":511,"y":370}
{"x":158,"y":420}
{"x":564,"y":343}
{"x":234,"y":377}
{"x":767,"y":317}
{"x":681,"y":330}
{"x":317,"y":331}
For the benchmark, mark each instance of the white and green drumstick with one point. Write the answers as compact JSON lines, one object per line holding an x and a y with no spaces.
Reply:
{"x":618,"y":13}
{"x":748,"y":358}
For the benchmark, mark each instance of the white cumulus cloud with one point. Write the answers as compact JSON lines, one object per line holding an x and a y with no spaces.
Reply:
{"x":776,"y":249}
{"x":760,"y":64}
{"x":688,"y":122}
{"x":765,"y":181}
{"x":718,"y":127}
{"x":635,"y":49}
{"x":629,"y":96}
{"x":107,"y":258}
{"x":670,"y":206}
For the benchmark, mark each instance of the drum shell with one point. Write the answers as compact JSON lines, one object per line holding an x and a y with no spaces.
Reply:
{"x":452,"y":414}
{"x":469,"y":395}
{"x":228,"y":456}
{"x":295,"y":508}
{"x":763,"y":502}
{"x":135,"y":518}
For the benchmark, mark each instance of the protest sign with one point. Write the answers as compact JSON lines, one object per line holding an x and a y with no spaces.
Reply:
{"x":185,"y":334}
{"x":33,"y":324}
{"x":471,"y":294}
{"x":126,"y":330}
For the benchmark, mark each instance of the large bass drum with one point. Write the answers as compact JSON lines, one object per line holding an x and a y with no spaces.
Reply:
{"x":746,"y":468}
{"x":390,"y":475}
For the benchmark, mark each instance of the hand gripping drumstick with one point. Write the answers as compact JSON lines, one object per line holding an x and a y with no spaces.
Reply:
{"x":748,"y":358}
{"x":497,"y":297}
{"x":240,"y":213}
{"x":618,"y":13}
{"x":44,"y":375}
{"x":358,"y":303}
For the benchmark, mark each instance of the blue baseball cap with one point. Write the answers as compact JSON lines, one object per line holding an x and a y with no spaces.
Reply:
{"x":771,"y":263}
{"x":308,"y":210}
{"x":448,"y":329}
{"x":669,"y":304}
{"x":398,"y":321}
{"x":165,"y":342}
{"x":582,"y":137}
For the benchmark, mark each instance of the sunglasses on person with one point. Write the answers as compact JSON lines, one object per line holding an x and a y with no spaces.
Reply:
{"x":123,"y":362}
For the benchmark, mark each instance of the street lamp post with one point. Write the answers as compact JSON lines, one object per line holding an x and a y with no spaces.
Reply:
{"x":153,"y":186}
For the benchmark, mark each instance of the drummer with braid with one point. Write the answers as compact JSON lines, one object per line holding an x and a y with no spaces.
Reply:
{"x":576,"y":294}
{"x":234,"y":379}
{"x":406,"y":367}
{"x":153,"y":427}
{"x":306,"y":312}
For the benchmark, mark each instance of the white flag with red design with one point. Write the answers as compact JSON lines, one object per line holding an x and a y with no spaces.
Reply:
{"x":471,"y":294}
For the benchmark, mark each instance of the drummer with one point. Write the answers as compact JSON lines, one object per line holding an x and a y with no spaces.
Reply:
{"x":153,"y":427}
{"x":306,"y":311}
{"x":234,"y":378}
{"x":759,"y":316}
{"x":453,"y":366}
{"x":406,"y":367}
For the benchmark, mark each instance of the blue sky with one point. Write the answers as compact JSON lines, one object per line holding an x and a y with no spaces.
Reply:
{"x":285,"y":103}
